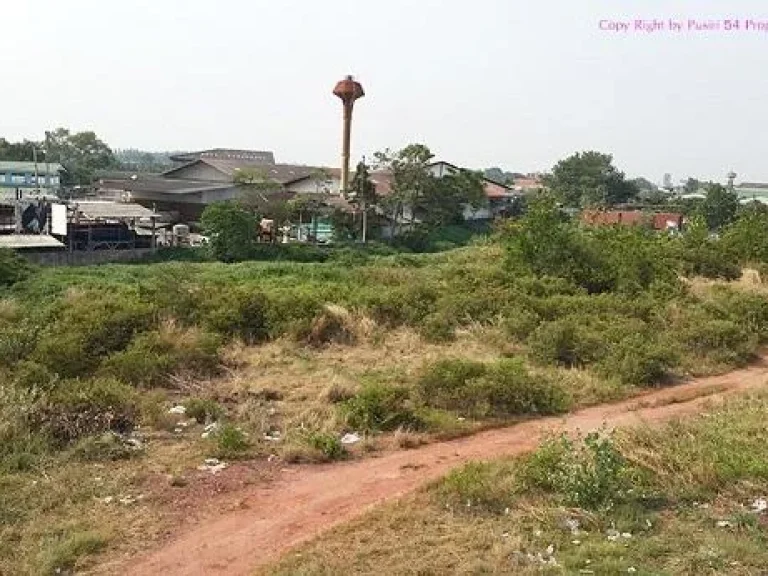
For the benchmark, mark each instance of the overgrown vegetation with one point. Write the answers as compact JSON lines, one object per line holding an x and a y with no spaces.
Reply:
{"x":685,"y":498}
{"x":89,"y":354}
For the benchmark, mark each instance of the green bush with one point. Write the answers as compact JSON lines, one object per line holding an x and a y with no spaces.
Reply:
{"x":478,"y":487}
{"x":591,"y":475}
{"x":13,"y":268}
{"x":105,"y":447}
{"x":380,"y":408}
{"x":444,"y":383}
{"x":565,"y":342}
{"x":438,"y":328}
{"x":154,"y":356}
{"x":328,"y":444}
{"x":204,"y":410}
{"x":638,"y":362}
{"x":238,"y":312}
{"x":231,"y":442}
{"x":504,"y":388}
{"x":720,"y":340}
{"x":520,"y":323}
{"x":89,"y":327}
{"x":79,"y":408}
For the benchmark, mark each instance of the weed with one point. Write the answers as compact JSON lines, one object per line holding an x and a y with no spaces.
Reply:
{"x":381,"y":408}
{"x":330,"y":446}
{"x":231,"y":442}
{"x":204,"y":410}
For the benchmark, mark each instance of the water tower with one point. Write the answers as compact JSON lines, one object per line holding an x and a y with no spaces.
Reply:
{"x":348,"y":90}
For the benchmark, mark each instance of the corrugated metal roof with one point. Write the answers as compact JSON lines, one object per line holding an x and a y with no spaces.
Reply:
{"x":29,"y":167}
{"x":113,"y":210}
{"x":21,"y":241}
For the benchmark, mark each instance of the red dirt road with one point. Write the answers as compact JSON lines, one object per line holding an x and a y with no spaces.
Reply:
{"x":306,"y":500}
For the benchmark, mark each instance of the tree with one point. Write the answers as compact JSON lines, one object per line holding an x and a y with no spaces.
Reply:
{"x":444,"y":203}
{"x":691,"y":186}
{"x":747,"y":237}
{"x":256,"y":187}
{"x":81,"y":154}
{"x":588,"y":179}
{"x":720,"y":206}
{"x":232,"y":230}
{"x":18,"y":151}
{"x":364,"y":194}
{"x":411,"y":178}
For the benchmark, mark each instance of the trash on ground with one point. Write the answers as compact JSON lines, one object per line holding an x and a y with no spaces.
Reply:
{"x":273,"y":436}
{"x":350,"y":438}
{"x":178,"y":410}
{"x":759,"y":505}
{"x":212,"y":465}
{"x":724,"y":524}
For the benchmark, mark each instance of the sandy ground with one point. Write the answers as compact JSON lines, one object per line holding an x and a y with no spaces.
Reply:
{"x":304,"y":501}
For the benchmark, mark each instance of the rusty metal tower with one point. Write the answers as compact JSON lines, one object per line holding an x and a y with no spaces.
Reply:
{"x":348,"y":90}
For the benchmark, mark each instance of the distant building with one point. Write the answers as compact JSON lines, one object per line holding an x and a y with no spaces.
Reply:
{"x":29,"y":177}
{"x":529,"y":183}
{"x":657,"y":220}
{"x":250,"y":156}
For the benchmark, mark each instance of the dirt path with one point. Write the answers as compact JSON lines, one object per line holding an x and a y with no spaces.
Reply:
{"x":307,"y":500}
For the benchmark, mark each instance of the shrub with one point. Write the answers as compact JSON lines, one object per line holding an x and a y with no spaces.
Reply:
{"x":638,"y":362}
{"x":721,"y":340}
{"x":154,"y":356}
{"x":330,"y":446}
{"x":592,"y":475}
{"x":81,"y":408}
{"x":478,"y":487}
{"x":334,"y":325}
{"x":566,"y":343}
{"x":204,"y":410}
{"x":519,"y":324}
{"x":17,"y":341}
{"x":231,"y":442}
{"x":501,"y":389}
{"x":13,"y":268}
{"x":104,"y":447}
{"x":31,"y":375}
{"x":381,"y":408}
{"x":90,"y":326}
{"x":444,"y":383}
{"x":438,"y":328}
{"x":61,"y":554}
{"x":238,"y":312}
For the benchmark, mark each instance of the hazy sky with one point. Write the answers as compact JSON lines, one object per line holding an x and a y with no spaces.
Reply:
{"x":518,"y":84}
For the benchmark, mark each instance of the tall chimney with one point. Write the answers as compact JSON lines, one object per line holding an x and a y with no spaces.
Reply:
{"x":349,"y":91}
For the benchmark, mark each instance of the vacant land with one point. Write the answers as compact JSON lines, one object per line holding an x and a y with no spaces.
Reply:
{"x":686,"y":498}
{"x":118,"y":382}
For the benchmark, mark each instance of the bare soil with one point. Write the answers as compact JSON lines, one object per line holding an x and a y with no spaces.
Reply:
{"x":304,"y":501}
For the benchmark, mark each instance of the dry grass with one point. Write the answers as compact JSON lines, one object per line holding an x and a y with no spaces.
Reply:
{"x":708,"y":470}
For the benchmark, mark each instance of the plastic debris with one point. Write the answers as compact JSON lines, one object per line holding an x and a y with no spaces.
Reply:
{"x":573,"y":525}
{"x":351,"y":438}
{"x":724,"y":524}
{"x":212,"y":465}
{"x":210,"y":429}
{"x":612,"y":535}
{"x":626,"y":535}
{"x":759,"y":505}
{"x":127,"y":500}
{"x":178,"y":410}
{"x":108,"y":500}
{"x":631,"y":570}
{"x":576,"y":542}
{"x":273,"y":436}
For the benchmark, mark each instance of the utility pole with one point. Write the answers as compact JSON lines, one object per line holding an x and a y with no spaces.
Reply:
{"x":361,"y":194}
{"x":37,"y":178}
